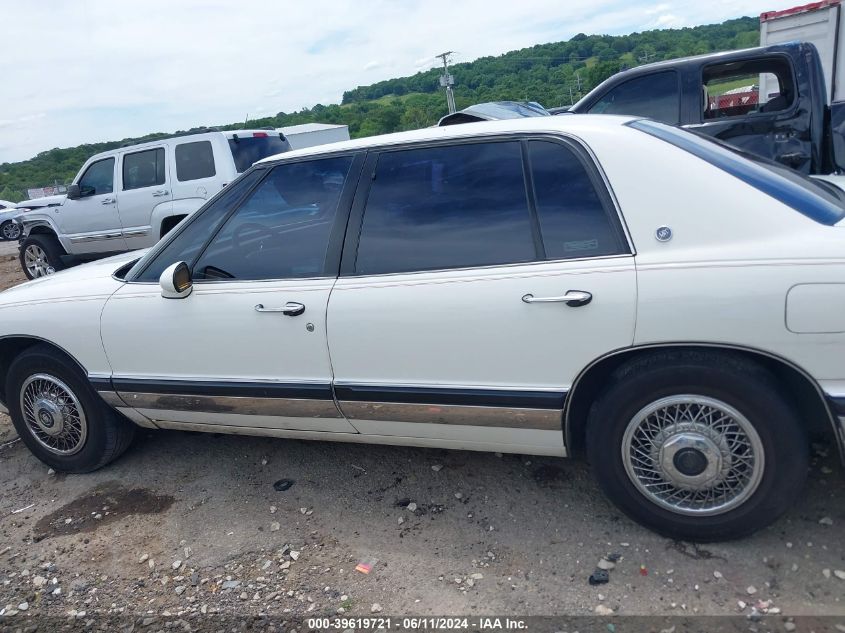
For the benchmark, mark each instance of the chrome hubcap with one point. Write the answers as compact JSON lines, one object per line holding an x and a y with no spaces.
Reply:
{"x":36,"y":262}
{"x":693,"y":455}
{"x":53,"y":414}
{"x":11,"y":231}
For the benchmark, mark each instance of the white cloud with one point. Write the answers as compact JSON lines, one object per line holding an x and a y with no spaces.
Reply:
{"x":95,"y":70}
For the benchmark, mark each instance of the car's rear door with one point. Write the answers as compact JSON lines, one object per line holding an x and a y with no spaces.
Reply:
{"x":478,"y":279}
{"x":247,"y":348}
{"x":145,"y":189}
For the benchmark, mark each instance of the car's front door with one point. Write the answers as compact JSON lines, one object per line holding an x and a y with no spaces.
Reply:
{"x":91,"y":223}
{"x":144,"y":191}
{"x":247,"y":348}
{"x":478,"y":280}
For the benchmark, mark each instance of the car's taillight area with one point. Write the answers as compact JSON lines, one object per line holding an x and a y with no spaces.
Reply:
{"x":250,"y":147}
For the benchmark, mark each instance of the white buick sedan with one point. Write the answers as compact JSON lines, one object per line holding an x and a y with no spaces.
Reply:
{"x":574,"y":285}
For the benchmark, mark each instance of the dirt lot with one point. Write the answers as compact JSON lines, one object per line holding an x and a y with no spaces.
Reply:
{"x":191,"y":524}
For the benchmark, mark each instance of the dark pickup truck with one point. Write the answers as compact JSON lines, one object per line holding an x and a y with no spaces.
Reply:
{"x":770,"y":101}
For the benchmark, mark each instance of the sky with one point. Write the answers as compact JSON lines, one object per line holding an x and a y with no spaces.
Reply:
{"x":86,"y":71}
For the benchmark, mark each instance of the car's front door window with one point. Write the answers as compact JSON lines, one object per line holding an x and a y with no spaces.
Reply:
{"x":98,"y":178}
{"x":282,"y":230}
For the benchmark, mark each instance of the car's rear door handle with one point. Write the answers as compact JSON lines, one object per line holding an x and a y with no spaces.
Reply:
{"x":291,"y":308}
{"x":572,"y":298}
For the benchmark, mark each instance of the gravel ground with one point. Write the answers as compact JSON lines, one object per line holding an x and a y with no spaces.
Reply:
{"x":187,"y":524}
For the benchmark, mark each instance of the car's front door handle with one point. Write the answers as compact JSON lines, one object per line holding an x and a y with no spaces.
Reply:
{"x":291,"y":308}
{"x":573,"y":298}
{"x":107,"y":201}
{"x":160,"y":193}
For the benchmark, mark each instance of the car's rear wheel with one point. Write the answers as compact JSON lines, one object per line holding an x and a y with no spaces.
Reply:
{"x":10,"y":230}
{"x":59,"y":416}
{"x":41,"y":255}
{"x":698,"y":446}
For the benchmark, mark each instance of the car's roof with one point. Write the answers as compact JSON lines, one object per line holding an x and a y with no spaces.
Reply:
{"x":185,"y":138}
{"x":571,"y":124}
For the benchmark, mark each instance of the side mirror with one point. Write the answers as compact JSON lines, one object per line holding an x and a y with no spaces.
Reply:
{"x":176,"y":281}
{"x":73,"y":192}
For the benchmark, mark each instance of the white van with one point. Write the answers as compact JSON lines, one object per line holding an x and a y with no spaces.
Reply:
{"x":128,"y":198}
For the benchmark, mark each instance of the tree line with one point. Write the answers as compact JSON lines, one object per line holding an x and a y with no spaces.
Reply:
{"x":552,"y":74}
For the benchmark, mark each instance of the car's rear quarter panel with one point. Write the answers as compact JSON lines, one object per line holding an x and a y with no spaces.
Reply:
{"x":734,"y":254}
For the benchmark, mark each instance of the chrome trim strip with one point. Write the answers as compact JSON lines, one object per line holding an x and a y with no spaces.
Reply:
{"x":239,"y":405}
{"x":136,"y":233}
{"x":137,"y":417}
{"x":542,"y":446}
{"x":539,"y":419}
{"x":96,"y":238}
{"x":111,"y":398}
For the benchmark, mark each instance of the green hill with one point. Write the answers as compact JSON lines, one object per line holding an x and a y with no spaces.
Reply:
{"x":552,"y":74}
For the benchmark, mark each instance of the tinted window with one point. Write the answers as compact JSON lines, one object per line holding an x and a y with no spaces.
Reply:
{"x":246,"y":150}
{"x":282,"y":230}
{"x":573,"y":220}
{"x":446,"y":207}
{"x":740,"y":88}
{"x":143,"y":169}
{"x":656,"y":96}
{"x":98,"y":178}
{"x":187,"y":241}
{"x":194,"y":161}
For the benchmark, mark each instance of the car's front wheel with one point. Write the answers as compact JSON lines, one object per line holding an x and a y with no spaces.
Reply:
{"x":41,"y":255}
{"x":59,"y":416}
{"x":10,"y":230}
{"x":697,"y":446}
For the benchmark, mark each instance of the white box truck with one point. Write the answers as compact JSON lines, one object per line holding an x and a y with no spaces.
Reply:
{"x":819,"y":23}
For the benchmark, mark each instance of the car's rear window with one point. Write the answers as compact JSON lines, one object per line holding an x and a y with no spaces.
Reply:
{"x":820,"y":202}
{"x":249,"y":148}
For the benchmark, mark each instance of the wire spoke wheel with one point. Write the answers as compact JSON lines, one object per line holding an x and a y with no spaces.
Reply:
{"x":36,"y":261}
{"x":53,"y":414}
{"x":693,"y":455}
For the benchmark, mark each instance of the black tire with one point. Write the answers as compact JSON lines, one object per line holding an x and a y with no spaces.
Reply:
{"x":107,"y":433}
{"x":729,"y":379}
{"x":7,"y":227}
{"x":53,"y":251}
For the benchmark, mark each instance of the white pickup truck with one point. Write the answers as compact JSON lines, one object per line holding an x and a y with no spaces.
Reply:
{"x":128,"y":198}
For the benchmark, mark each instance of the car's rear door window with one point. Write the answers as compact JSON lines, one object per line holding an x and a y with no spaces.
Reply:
{"x":446,"y":207}
{"x":194,"y":161}
{"x":143,"y":169}
{"x":574,"y":219}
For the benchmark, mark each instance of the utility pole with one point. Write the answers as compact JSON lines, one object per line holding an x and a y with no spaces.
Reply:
{"x":447,"y":81}
{"x":645,"y":57}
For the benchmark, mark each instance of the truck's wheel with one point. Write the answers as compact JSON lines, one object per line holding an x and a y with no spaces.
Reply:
{"x":698,"y":446}
{"x":59,"y":416}
{"x":40,"y":255}
{"x":10,"y":230}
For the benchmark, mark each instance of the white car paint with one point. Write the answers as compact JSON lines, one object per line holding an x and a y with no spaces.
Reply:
{"x":722,"y":279}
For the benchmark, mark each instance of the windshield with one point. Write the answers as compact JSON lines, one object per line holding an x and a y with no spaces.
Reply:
{"x":823,"y":203}
{"x":248,"y":149}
